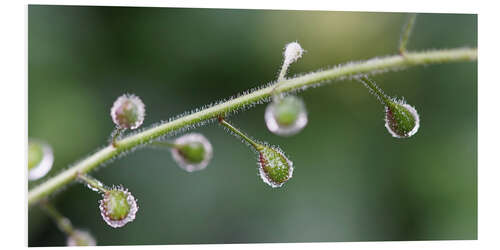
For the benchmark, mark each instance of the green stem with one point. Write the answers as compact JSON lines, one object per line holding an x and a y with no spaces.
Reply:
{"x":372,"y":66}
{"x":376,"y":90}
{"x":238,"y":132}
{"x":92,"y":182}
{"x":405,"y":35}
{"x":165,"y":144}
{"x":114,"y":135}
{"x":62,"y":222}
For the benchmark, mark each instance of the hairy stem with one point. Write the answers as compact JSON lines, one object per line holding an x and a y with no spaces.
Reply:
{"x":379,"y":93}
{"x":92,"y":182}
{"x":375,"y":65}
{"x":238,"y":132}
{"x":62,"y":222}
{"x":405,"y":35}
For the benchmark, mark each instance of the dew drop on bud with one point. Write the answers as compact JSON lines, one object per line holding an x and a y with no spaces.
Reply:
{"x":40,"y":159}
{"x":286,"y":116}
{"x":192,"y":152}
{"x":401,"y":119}
{"x":293,"y":51}
{"x":80,"y":238}
{"x":274,"y":167}
{"x":118,"y":207}
{"x":128,"y":112}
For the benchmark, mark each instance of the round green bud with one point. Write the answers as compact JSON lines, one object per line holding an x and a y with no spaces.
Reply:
{"x":274,"y":167}
{"x":118,"y":207}
{"x":80,"y":238}
{"x":192,"y":152}
{"x":128,"y":112}
{"x":287,"y":116}
{"x":401,"y":119}
{"x":40,"y":159}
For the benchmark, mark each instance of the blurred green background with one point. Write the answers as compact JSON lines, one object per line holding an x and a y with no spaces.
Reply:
{"x":352,"y":181}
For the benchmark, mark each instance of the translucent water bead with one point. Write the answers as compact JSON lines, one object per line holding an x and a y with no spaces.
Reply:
{"x":128,"y":112}
{"x":286,"y":116}
{"x":40,"y":159}
{"x":192,"y":152}
{"x":401,"y":119}
{"x":118,"y":207}
{"x":275,"y":169}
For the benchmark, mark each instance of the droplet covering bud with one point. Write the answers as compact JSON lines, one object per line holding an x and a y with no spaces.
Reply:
{"x":286,"y":116}
{"x":118,"y":207}
{"x":192,"y":152}
{"x":274,"y":167}
{"x":401,"y":119}
{"x":80,"y":238}
{"x":293,"y":51}
{"x":128,"y":112}
{"x":40,"y":159}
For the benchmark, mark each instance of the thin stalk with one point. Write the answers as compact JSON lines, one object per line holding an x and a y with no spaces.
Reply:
{"x":92,"y":182}
{"x":62,"y":222}
{"x":238,"y":132}
{"x":372,"y":66}
{"x":405,"y":35}
{"x":115,"y":134}
{"x":165,"y":144}
{"x":376,"y":90}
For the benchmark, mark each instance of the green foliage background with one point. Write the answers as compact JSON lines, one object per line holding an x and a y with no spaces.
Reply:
{"x":352,"y":182}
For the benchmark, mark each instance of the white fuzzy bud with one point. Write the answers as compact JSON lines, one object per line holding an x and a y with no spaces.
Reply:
{"x":292,"y":53}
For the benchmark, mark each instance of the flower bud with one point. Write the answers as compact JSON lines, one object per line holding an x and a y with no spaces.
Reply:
{"x":274,"y":167}
{"x":128,"y":112}
{"x":80,"y":238}
{"x":293,"y":51}
{"x":118,"y":207}
{"x":286,"y":116}
{"x":40,"y":159}
{"x":192,"y":152}
{"x":401,"y":119}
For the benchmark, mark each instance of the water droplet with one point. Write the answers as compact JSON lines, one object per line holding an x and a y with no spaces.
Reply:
{"x":40,"y":159}
{"x":401,"y":119}
{"x":274,"y":167}
{"x":128,"y":112}
{"x":118,"y":207}
{"x":193,"y":152}
{"x":293,"y":51}
{"x":286,"y":116}
{"x":93,"y":188}
{"x":80,"y":238}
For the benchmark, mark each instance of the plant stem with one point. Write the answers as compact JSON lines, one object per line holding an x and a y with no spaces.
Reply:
{"x":114,"y":135}
{"x":372,"y":66}
{"x":239,"y":133}
{"x":165,"y":144}
{"x":62,"y":222}
{"x":405,"y":35}
{"x":376,"y":90}
{"x":92,"y":182}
